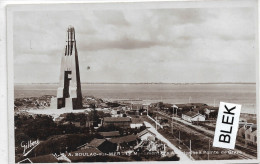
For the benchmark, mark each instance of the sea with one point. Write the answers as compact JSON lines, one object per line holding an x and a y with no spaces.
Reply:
{"x":211,"y":94}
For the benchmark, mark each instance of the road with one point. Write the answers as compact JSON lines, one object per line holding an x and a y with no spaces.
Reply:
{"x":183,"y":157}
{"x":209,"y":133}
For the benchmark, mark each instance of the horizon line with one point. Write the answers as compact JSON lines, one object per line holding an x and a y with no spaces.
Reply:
{"x":152,"y":83}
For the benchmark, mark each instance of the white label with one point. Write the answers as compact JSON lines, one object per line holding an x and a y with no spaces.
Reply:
{"x":227,"y":125}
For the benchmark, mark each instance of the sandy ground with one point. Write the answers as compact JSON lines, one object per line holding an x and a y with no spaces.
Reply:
{"x":183,"y":157}
{"x":55,"y":112}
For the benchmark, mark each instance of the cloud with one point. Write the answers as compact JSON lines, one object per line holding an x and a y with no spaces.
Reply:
{"x":111,"y":17}
{"x":122,"y":43}
{"x":182,"y":16}
{"x":139,"y":45}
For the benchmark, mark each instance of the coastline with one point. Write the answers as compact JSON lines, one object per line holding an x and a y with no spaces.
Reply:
{"x":211,"y":94}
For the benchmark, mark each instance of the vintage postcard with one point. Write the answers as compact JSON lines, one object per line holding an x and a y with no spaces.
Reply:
{"x":133,"y":81}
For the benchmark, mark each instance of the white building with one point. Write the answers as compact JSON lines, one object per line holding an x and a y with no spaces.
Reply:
{"x":242,"y":126}
{"x":251,"y":135}
{"x":193,"y":116}
{"x":136,"y":123}
{"x":146,"y":135}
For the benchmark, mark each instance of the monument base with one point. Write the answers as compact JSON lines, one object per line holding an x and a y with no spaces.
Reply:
{"x":54,"y":104}
{"x":67,"y":103}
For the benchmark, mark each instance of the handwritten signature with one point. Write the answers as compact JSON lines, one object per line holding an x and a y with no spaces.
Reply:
{"x":29,"y":144}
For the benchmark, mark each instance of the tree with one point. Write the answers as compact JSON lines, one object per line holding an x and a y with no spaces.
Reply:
{"x":70,"y":117}
{"x":160,"y":105}
{"x":41,"y":127}
{"x":93,"y":116}
{"x":101,"y":114}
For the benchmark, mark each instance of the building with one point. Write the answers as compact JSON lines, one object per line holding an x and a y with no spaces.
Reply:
{"x":189,"y":105}
{"x":50,"y":158}
{"x":113,"y":113}
{"x":193,"y":117}
{"x":123,"y":122}
{"x":210,"y":111}
{"x":146,"y":135}
{"x":197,"y":105}
{"x":181,"y":106}
{"x":89,"y":123}
{"x":133,"y":112}
{"x":69,"y":94}
{"x":101,"y":144}
{"x":110,"y":134}
{"x":136,"y":106}
{"x":59,"y":119}
{"x":136,"y":123}
{"x":251,"y":135}
{"x":241,"y":129}
{"x":76,"y":123}
{"x":125,"y":142}
{"x":178,"y":109}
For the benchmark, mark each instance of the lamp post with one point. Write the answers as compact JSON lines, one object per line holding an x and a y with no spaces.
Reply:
{"x":179,"y":138}
{"x":190,"y":149}
{"x":156,"y":117}
{"x":147,"y":110}
{"x":209,"y":149}
{"x":172,"y":126}
{"x":156,"y":121}
{"x":176,"y":113}
{"x":146,"y":104}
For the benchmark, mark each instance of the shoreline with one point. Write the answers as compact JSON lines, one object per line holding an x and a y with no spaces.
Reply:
{"x":249,"y":111}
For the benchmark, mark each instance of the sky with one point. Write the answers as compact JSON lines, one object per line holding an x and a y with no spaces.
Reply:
{"x":173,"y":45}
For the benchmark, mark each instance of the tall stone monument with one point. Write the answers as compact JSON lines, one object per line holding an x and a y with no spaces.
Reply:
{"x":69,"y":94}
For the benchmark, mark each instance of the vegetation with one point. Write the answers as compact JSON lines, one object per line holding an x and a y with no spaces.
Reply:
{"x":41,"y":127}
{"x":62,"y":143}
{"x":122,"y":131}
{"x":172,"y":158}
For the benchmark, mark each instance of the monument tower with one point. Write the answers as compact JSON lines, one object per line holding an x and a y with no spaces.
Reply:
{"x":69,"y":94}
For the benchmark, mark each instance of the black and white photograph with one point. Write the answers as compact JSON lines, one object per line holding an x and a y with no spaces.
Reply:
{"x":132,"y":81}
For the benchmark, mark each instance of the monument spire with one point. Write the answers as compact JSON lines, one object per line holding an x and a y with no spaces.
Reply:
{"x":69,"y":94}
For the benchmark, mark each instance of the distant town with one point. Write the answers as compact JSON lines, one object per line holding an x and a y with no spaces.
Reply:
{"x":124,"y":131}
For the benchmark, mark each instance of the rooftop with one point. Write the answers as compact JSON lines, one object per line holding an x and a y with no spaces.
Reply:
{"x":117,"y":119}
{"x":190,"y":105}
{"x":166,"y":105}
{"x":137,"y":121}
{"x":96,"y":142}
{"x":144,"y":132}
{"x":192,"y":114}
{"x":241,"y":124}
{"x":110,"y":134}
{"x":254,"y":127}
{"x":123,"y":139}
{"x":182,"y":105}
{"x":248,"y":125}
{"x":197,"y":104}
{"x":44,"y":159}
